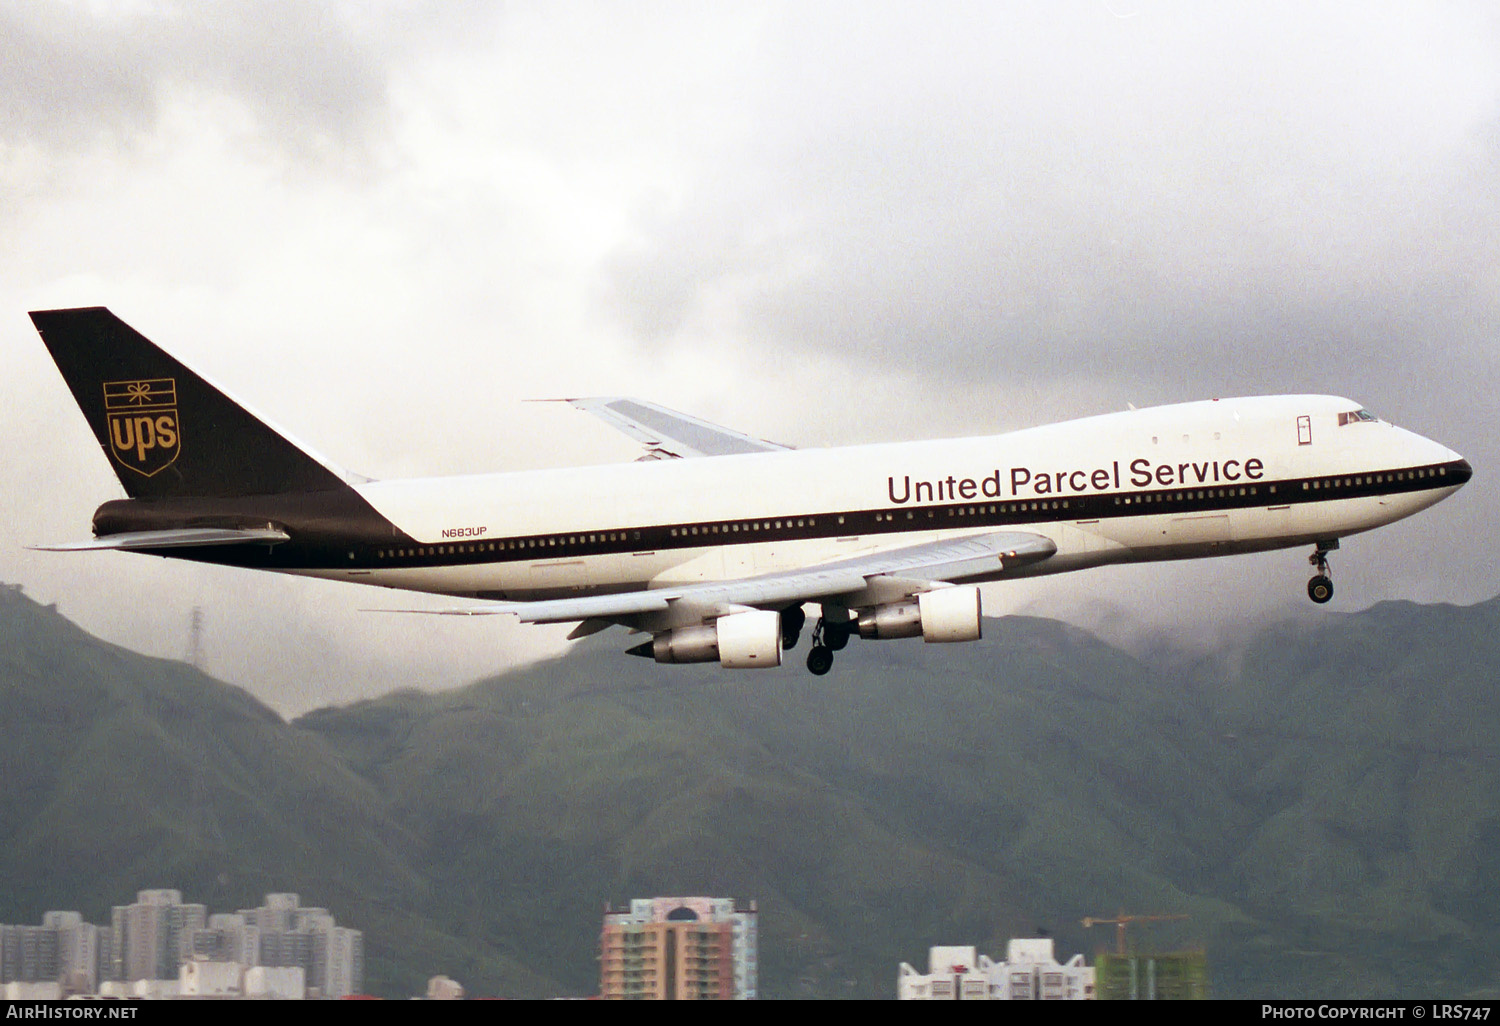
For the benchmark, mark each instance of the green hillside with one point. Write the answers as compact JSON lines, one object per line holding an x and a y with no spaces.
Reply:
{"x":1323,"y":804}
{"x":124,"y":773}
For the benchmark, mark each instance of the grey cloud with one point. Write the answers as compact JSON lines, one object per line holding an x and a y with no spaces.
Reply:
{"x":312,"y":75}
{"x":1286,"y":190}
{"x":60,"y":83}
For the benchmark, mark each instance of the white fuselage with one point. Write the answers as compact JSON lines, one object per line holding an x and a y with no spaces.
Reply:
{"x":1197,"y":479}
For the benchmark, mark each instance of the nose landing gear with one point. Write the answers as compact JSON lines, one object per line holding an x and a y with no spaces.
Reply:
{"x":1320,"y":588}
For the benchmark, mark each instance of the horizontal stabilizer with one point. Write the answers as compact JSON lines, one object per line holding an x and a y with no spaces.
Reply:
{"x":176,"y":539}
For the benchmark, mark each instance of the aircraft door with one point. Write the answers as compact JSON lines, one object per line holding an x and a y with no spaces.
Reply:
{"x":1304,"y":430}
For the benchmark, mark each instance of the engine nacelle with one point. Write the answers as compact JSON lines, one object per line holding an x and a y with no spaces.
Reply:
{"x":946,"y":614}
{"x":739,"y":641}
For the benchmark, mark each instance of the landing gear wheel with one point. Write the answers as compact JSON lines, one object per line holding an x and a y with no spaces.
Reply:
{"x":819,"y":660}
{"x":836,"y":636}
{"x":1320,"y":589}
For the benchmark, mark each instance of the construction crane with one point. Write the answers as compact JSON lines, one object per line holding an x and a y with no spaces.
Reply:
{"x":1121,"y":921}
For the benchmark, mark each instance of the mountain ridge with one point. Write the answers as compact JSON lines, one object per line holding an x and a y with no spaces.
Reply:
{"x":1327,"y":788}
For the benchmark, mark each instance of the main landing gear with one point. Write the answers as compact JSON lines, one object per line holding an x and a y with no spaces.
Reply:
{"x":792,"y":619}
{"x":1320,"y":588}
{"x":827,"y":638}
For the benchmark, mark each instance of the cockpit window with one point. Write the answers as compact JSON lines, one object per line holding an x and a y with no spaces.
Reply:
{"x":1357,"y":417}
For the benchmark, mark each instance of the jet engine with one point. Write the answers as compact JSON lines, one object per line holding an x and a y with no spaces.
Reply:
{"x":739,"y":641}
{"x":946,"y":614}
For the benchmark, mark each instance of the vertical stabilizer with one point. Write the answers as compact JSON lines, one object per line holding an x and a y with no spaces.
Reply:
{"x":167,"y":432}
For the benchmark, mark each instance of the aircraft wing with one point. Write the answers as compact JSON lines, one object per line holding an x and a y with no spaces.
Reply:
{"x":876,"y":577}
{"x":667,"y":434}
{"x":175,"y":539}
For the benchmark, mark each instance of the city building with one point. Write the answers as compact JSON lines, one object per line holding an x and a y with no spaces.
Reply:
{"x":1030,"y":972}
{"x":160,"y":946}
{"x":331,"y":957}
{"x":150,"y":938}
{"x":1165,"y":976}
{"x":202,"y":978}
{"x":82,"y":948}
{"x":228,"y":937}
{"x":28,"y":954}
{"x":444,"y":988}
{"x":679,"y":949}
{"x":287,"y":983}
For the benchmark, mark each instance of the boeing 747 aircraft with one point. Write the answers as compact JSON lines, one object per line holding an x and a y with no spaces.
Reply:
{"x":714,"y":542}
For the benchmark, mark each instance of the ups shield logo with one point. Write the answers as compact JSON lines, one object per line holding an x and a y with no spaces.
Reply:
{"x":144,"y":433}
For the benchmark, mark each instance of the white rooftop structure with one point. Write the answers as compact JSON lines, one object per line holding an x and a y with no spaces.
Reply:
{"x":1030,"y":972}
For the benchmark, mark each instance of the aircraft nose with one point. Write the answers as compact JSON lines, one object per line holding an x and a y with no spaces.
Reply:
{"x":1450,"y":464}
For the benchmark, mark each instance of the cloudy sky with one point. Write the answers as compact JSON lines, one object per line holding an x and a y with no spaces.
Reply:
{"x":387,"y":226}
